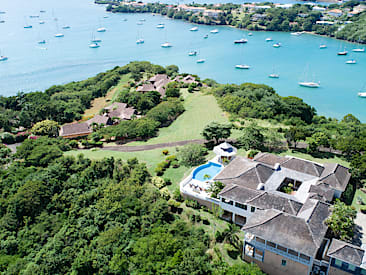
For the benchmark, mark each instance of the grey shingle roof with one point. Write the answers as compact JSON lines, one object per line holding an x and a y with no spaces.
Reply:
{"x":99,"y":120}
{"x":346,"y":252}
{"x":269,"y":159}
{"x":120,"y":110}
{"x":304,"y":166}
{"x":335,"y":175}
{"x":238,"y":193}
{"x":146,"y":88}
{"x":75,"y":129}
{"x":322,"y":191}
{"x":245,"y":172}
{"x":288,"y":230}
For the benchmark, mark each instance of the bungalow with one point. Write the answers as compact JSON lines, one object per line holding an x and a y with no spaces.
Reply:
{"x":186,"y":79}
{"x":282,"y":204}
{"x":212,"y":13}
{"x":100,"y":120}
{"x":335,"y":12}
{"x":120,"y":111}
{"x":191,"y":8}
{"x":75,"y":130}
{"x":155,"y":83}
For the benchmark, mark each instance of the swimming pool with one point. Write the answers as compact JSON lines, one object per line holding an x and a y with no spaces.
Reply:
{"x":211,"y":169}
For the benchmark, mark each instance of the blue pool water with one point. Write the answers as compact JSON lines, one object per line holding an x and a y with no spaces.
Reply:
{"x":32,"y":66}
{"x":211,"y":169}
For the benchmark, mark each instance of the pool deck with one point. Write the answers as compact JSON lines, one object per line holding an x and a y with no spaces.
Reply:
{"x":197,"y":188}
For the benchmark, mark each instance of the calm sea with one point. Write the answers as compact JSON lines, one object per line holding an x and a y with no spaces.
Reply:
{"x":32,"y":66}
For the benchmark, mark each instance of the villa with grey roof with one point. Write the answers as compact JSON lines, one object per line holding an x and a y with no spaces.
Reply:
{"x":282,"y":204}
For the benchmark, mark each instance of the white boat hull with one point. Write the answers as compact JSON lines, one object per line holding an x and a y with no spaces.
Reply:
{"x":242,"y":67}
{"x":309,"y":84}
{"x":362,"y":94}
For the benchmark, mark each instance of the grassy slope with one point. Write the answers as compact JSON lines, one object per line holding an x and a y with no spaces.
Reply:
{"x":201,"y":109}
{"x":101,"y":102}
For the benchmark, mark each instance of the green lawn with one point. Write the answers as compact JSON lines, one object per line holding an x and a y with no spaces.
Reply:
{"x":201,"y":109}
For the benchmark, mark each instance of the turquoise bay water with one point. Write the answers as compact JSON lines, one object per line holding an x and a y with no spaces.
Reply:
{"x":35,"y":67}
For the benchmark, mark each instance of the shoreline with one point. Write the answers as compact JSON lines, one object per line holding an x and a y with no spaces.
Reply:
{"x":226,"y":25}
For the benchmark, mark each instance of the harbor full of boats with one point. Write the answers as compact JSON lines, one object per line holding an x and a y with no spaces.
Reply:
{"x":37,"y":59}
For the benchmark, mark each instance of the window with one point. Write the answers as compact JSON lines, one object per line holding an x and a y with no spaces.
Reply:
{"x":259,"y":254}
{"x":284,"y":249}
{"x":351,"y":267}
{"x":252,"y":209}
{"x":293,"y":253}
{"x":242,"y":206}
{"x":260,"y":240}
{"x":306,"y":258}
{"x":337,"y":263}
{"x":271,"y":244}
{"x":284,"y":262}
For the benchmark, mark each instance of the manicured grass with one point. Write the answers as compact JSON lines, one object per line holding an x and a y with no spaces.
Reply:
{"x":201,"y":109}
{"x":101,"y":102}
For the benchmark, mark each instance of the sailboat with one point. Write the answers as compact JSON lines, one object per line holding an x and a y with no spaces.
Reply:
{"x":160,"y":26}
{"x":95,"y":40}
{"x":94,"y":45}
{"x":214,"y":31}
{"x":206,"y":36}
{"x":201,"y":61}
{"x":3,"y":57}
{"x":58,"y":34}
{"x":139,"y":40}
{"x":322,"y":46}
{"x":250,"y":34}
{"x":344,"y":52}
{"x":351,"y":61}
{"x":269,"y":39}
{"x":27,"y":26}
{"x":166,"y":44}
{"x":194,"y":29}
{"x":240,"y":41}
{"x":101,"y":29}
{"x":309,"y":84}
{"x":2,"y":21}
{"x":66,"y":27}
{"x":273,"y":74}
{"x":276,"y":45}
{"x":192,"y":53}
{"x":242,"y":66}
{"x":359,"y":50}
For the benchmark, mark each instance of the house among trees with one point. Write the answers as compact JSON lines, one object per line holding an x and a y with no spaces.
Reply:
{"x":282,"y":204}
{"x":189,"y":79}
{"x":156,"y":83}
{"x":112,"y":115}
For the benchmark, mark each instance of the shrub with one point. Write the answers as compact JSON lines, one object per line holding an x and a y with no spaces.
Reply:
{"x":165,"y":152}
{"x":177,"y":195}
{"x":192,"y":154}
{"x":164,"y":192}
{"x":219,"y":236}
{"x":167,"y":181}
{"x":175,"y":164}
{"x":159,"y":170}
{"x":252,"y":153}
{"x":158,"y":182}
{"x":20,"y":137}
{"x":171,"y":158}
{"x":74,"y":143}
{"x":7,"y":138}
{"x":193,"y":204}
{"x":363,"y":210}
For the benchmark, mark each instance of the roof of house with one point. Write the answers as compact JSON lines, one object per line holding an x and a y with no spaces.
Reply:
{"x":335,"y":11}
{"x":304,"y":236}
{"x":75,"y":129}
{"x":269,"y":159}
{"x":120,"y":110}
{"x":146,"y":88}
{"x":244,"y":172}
{"x":158,"y":77}
{"x":346,"y":252}
{"x":303,"y":166}
{"x":321,"y":191}
{"x":98,"y":119}
{"x":335,"y":175}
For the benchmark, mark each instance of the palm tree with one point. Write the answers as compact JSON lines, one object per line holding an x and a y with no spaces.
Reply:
{"x":230,"y":235}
